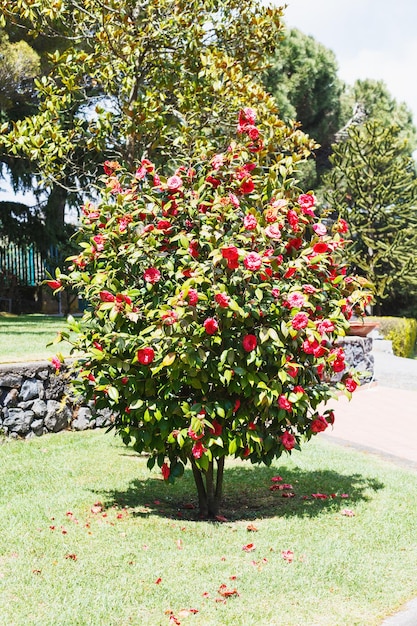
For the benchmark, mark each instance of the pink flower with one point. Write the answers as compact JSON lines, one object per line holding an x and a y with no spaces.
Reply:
{"x":145,"y":356}
{"x":306,"y":202}
{"x":292,"y":218}
{"x":106,"y":296}
{"x":211,"y":326}
{"x":234,"y":200}
{"x":319,"y":424}
{"x":56,"y":363}
{"x":299,"y":321}
{"x":152,"y":275}
{"x":198,"y":450}
{"x":250,"y":222}
{"x":194,"y":436}
{"x":273,"y":231}
{"x":247,"y":117}
{"x":249,"y":343}
{"x":295,"y":299}
{"x":320,"y":229}
{"x":288,"y":440}
{"x":192,"y":297}
{"x":99,"y":241}
{"x":174,"y":183}
{"x":252,"y":261}
{"x":284,"y":403}
{"x":325,"y":326}
{"x":165,"y":471}
{"x":217,"y":161}
{"x":222,"y":300}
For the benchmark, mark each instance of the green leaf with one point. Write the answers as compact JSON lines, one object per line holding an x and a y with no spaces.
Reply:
{"x":113,"y":394}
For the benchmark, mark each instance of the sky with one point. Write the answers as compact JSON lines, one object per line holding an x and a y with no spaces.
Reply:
{"x":374,"y":39}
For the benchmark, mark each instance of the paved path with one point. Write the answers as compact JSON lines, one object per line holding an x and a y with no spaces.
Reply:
{"x":382,"y":417}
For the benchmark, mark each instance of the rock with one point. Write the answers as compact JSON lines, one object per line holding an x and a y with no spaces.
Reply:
{"x":18,"y":421}
{"x":11,"y":380}
{"x":83,"y":419}
{"x":57,"y":416}
{"x":103,"y":418}
{"x":29,"y":389}
{"x":37,"y":427}
{"x":39,"y":408}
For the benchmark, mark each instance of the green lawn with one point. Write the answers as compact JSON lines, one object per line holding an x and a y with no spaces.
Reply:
{"x":140,"y":557}
{"x":25,"y":337}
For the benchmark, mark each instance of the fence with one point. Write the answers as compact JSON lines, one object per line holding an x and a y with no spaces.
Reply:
{"x":20,"y":265}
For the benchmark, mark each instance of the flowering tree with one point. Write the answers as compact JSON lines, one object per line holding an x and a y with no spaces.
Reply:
{"x":216,"y":297}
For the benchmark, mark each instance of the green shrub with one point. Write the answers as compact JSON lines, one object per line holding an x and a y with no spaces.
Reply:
{"x":402,"y":332}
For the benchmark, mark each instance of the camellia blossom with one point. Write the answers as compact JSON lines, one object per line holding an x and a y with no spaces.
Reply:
{"x":319,"y":424}
{"x":288,"y":440}
{"x":152,"y":275}
{"x":165,"y":471}
{"x":306,"y":202}
{"x":296,"y":299}
{"x":273,"y":232}
{"x":250,"y":222}
{"x":198,"y":450}
{"x":247,"y":186}
{"x":106,"y":296}
{"x":174,"y":183}
{"x":222,"y":300}
{"x":252,"y":261}
{"x":169,"y":317}
{"x":284,"y":403}
{"x":211,"y":326}
{"x":54,"y":284}
{"x":299,"y":321}
{"x":56,"y":362}
{"x":216,"y":428}
{"x":192,"y":297}
{"x":320,"y":229}
{"x":350,"y":384}
{"x":145,"y":356}
{"x":249,"y":342}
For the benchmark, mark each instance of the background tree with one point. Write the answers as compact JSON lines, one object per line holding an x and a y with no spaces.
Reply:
{"x":372,"y":184}
{"x":303,"y":80}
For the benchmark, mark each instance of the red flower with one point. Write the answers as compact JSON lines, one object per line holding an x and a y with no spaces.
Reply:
{"x":106,"y":296}
{"x":299,"y":321}
{"x":165,"y":471}
{"x":252,"y":261}
{"x":216,"y":428}
{"x":321,"y":247}
{"x":193,"y":249}
{"x":249,"y":342}
{"x":288,"y":440}
{"x":145,"y":356}
{"x":198,"y":450}
{"x":342,"y":226}
{"x":222,"y":300}
{"x":319,"y":424}
{"x":284,"y":403}
{"x":250,"y":222}
{"x":230,"y":253}
{"x":54,"y":284}
{"x":99,"y":241}
{"x":152,"y":275}
{"x":110,"y":167}
{"x":247,"y":186}
{"x":169,"y":317}
{"x":211,"y":326}
{"x":164,"y":225}
{"x":350,"y":384}
{"x":215,"y":182}
{"x":237,"y":405}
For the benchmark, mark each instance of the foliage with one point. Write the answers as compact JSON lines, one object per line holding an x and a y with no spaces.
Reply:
{"x":373,"y":185}
{"x":402,"y":332}
{"x":303,"y":79}
{"x":216,"y":298}
{"x":19,"y":66}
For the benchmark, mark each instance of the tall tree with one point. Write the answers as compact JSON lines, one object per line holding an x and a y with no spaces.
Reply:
{"x":372,"y":184}
{"x":303,"y":79}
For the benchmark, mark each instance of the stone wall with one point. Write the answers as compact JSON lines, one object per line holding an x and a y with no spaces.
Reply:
{"x":35,"y":399}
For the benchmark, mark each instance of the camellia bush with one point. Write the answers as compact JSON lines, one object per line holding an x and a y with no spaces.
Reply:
{"x":216,"y":297}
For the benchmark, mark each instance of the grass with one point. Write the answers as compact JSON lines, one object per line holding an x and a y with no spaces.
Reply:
{"x":25,"y":337}
{"x":141,"y":557}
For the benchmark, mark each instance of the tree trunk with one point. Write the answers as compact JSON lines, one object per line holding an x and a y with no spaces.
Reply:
{"x":209,"y":488}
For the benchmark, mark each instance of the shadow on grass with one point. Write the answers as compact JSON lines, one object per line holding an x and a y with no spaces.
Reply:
{"x":247,"y":494}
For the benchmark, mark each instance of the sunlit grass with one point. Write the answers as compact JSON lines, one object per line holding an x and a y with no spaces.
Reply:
{"x":26,"y":337}
{"x":142,"y":557}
